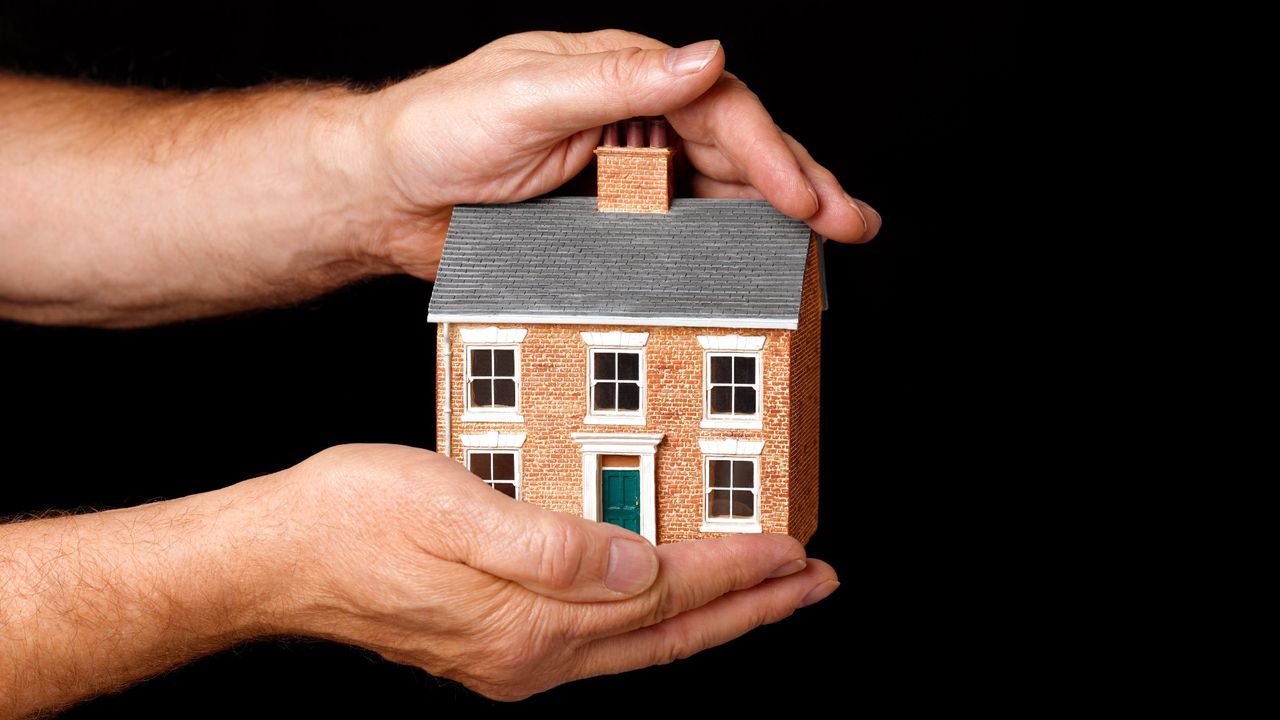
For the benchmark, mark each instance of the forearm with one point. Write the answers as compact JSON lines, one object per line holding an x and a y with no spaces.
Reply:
{"x":127,"y":207}
{"x":90,"y":603}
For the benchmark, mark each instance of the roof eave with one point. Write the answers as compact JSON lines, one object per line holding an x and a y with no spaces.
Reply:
{"x":692,"y":322}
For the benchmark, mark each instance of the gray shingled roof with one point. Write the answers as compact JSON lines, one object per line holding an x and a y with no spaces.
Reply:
{"x":735,"y":262}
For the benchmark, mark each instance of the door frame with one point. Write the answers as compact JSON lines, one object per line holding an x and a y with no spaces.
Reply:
{"x":643,"y":445}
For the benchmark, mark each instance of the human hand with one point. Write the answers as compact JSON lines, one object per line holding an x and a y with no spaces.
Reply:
{"x":404,"y":552}
{"x":522,"y":115}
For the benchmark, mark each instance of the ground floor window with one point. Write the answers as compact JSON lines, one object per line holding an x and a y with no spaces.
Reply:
{"x":499,"y":469}
{"x":731,"y":489}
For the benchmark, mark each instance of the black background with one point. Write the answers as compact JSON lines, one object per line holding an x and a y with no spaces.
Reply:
{"x":932,"y":134}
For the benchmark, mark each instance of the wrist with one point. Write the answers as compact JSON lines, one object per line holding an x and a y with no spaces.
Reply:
{"x":375,"y":228}
{"x":257,"y":543}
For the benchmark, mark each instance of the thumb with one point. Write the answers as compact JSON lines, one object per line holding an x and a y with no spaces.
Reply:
{"x":584,"y":91}
{"x":556,"y":554}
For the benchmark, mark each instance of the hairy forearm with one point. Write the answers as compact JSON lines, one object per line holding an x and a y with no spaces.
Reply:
{"x":90,"y":603}
{"x":127,"y":207}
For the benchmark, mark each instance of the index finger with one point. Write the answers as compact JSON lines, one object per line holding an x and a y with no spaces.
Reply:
{"x":732,"y":120}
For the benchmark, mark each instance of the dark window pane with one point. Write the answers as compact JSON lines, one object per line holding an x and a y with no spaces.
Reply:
{"x":605,"y":397}
{"x":744,"y":370}
{"x":744,"y":401}
{"x":482,"y":393}
{"x":504,"y":393}
{"x":480,"y":465}
{"x":720,"y":473}
{"x":721,"y":369}
{"x":743,"y":504}
{"x":504,"y":362}
{"x":504,"y":466}
{"x":721,"y":399}
{"x":481,"y":363}
{"x":604,"y":365}
{"x":628,"y":396}
{"x":628,"y":366}
{"x":743,"y":474}
{"x":508,"y":489}
{"x":719,"y":504}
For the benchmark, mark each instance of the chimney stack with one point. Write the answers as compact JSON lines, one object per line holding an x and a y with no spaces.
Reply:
{"x":636,"y":177}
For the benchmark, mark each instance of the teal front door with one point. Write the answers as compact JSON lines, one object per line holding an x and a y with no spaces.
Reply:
{"x":620,"y":498}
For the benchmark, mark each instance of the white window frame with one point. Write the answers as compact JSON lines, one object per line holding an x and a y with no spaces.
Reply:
{"x":730,"y":525}
{"x":484,"y":414}
{"x":516,"y":459}
{"x":615,"y":341}
{"x":754,"y":421}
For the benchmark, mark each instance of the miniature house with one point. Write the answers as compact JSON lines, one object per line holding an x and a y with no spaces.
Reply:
{"x":635,"y":359}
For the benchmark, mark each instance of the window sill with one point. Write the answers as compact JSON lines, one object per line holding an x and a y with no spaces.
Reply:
{"x":613,"y":420}
{"x":492,"y":417}
{"x":733,"y":424}
{"x":731,"y":527}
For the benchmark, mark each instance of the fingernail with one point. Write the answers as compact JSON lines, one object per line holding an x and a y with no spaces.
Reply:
{"x":869,"y":229}
{"x":690,"y":59}
{"x":632,"y":566}
{"x":818,"y":593}
{"x":813,"y":194}
{"x":786,"y":569}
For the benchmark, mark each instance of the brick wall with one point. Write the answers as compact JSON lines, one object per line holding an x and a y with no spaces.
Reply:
{"x":554,"y":399}
{"x":806,"y":375}
{"x":634,"y":179}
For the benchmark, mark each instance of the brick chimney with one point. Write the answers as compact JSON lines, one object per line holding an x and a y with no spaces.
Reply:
{"x":635,"y":176}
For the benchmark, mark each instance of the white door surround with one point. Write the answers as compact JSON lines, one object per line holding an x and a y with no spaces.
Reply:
{"x":642,"y":445}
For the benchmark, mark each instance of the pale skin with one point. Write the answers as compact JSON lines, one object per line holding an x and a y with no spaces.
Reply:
{"x":127,"y":207}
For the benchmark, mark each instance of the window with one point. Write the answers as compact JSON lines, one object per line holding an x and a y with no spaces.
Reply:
{"x":497,"y":469}
{"x":731,"y":490}
{"x":491,"y":379}
{"x":616,"y":387}
{"x":733,"y":393}
{"x":491,"y":384}
{"x":733,"y":385}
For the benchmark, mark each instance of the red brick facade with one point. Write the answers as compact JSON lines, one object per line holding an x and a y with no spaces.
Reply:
{"x":553,"y":403}
{"x":634,"y":179}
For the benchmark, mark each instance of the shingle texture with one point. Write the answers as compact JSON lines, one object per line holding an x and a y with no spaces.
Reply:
{"x":719,"y":259}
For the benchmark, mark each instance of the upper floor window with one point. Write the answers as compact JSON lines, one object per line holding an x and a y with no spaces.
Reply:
{"x":492,"y":374}
{"x":733,"y":381}
{"x":733,"y":385}
{"x":491,"y":378}
{"x":615,"y":377}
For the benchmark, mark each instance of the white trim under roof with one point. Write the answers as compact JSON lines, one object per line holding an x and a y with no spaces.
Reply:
{"x":749,"y":323}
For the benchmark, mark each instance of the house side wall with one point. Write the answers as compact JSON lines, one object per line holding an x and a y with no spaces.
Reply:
{"x":806,"y":375}
{"x":553,"y":403}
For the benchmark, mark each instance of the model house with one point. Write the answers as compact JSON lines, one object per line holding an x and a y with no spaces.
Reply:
{"x":637,"y":359}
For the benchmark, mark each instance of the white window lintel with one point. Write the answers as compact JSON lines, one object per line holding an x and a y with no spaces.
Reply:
{"x":493,"y":439}
{"x":492,"y":335}
{"x":616,"y":338}
{"x":731,"y":446}
{"x":732,"y":343}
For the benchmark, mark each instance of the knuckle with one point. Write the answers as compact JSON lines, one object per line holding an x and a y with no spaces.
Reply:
{"x":561,"y":548}
{"x":622,"y":68}
{"x":678,"y":647}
